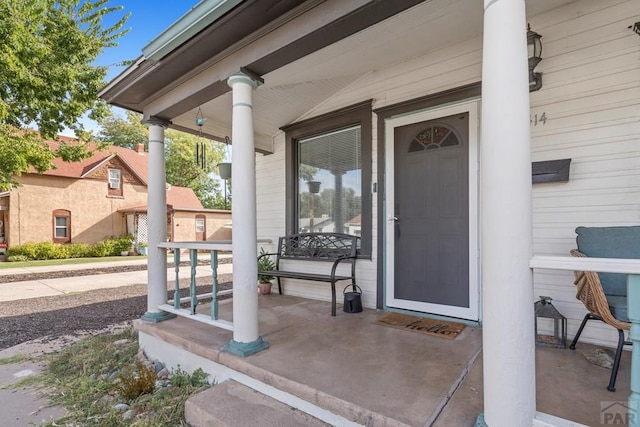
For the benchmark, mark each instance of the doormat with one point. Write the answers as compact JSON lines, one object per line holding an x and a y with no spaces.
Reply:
{"x":423,"y":325}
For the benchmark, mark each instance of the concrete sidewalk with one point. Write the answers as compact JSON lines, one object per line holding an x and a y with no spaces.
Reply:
{"x":48,"y":287}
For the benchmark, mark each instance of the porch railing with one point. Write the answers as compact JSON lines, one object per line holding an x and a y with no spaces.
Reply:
{"x":174,"y":305}
{"x":611,"y":265}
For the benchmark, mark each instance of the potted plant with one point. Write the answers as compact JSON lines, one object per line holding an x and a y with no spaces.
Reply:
{"x":265,"y":264}
{"x":124,"y":244}
{"x":142,"y":248}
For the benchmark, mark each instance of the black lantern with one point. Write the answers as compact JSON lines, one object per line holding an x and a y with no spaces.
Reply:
{"x":546,"y":312}
{"x":534,"y":48}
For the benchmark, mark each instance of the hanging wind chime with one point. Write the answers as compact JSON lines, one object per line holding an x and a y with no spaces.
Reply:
{"x":201,"y":148}
{"x":224,"y":170}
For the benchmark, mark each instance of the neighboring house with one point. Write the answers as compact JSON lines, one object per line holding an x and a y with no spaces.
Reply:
{"x":323,"y":224}
{"x":420,"y":112}
{"x":104,"y":195}
{"x":354,"y":226}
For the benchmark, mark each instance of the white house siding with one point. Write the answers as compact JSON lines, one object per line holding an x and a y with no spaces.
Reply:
{"x":591,"y":87}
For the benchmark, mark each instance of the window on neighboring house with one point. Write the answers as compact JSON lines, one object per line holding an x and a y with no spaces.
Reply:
{"x":115,"y":182}
{"x":329,"y":176}
{"x":199,"y":225}
{"x":62,"y":226}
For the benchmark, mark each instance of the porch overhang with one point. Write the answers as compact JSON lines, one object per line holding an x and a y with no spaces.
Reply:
{"x":189,"y":64}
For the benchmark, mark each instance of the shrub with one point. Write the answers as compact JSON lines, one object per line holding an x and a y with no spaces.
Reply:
{"x":79,"y":250}
{"x":134,"y":384}
{"x":111,"y":246}
{"x":180,"y":378}
{"x":123,"y":243}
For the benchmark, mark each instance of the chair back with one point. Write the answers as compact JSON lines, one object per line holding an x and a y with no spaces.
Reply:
{"x":610,"y":242}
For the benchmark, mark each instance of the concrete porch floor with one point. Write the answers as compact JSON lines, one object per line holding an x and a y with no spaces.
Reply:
{"x":380,"y":376}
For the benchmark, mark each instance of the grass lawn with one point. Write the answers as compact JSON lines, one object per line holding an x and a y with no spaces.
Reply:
{"x":101,"y":382}
{"x":49,"y":262}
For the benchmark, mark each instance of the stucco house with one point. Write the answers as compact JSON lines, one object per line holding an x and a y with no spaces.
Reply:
{"x":423,"y":118}
{"x":104,"y":195}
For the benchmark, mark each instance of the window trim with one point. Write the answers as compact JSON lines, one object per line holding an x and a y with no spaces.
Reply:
{"x":356,"y":114}
{"x":204,"y":223}
{"x":119,"y":179}
{"x":114,"y":191}
{"x":61,"y":213}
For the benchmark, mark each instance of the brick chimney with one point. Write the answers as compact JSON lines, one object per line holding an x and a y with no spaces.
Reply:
{"x":140,"y":148}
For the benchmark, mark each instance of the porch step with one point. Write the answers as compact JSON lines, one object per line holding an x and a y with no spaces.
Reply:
{"x":231,"y":404}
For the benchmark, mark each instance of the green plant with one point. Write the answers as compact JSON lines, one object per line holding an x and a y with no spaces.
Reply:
{"x":143,"y":244}
{"x":265,"y":264}
{"x":134,"y":382}
{"x":124,"y":242}
{"x":180,"y":378}
{"x":17,"y":258}
{"x":80,"y":378}
{"x":111,"y":246}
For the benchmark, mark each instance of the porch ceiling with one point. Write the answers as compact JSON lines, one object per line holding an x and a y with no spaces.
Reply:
{"x":292,"y":91}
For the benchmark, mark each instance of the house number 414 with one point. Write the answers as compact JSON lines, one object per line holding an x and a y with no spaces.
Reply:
{"x":537,"y":119}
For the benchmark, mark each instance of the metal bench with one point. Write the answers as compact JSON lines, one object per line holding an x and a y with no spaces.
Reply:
{"x":334,"y":248}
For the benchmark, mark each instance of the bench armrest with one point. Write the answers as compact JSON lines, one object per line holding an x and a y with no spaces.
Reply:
{"x":338,"y":261}
{"x":268,"y":254}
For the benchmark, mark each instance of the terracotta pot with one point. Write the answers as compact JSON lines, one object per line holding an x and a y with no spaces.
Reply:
{"x":264,"y":288}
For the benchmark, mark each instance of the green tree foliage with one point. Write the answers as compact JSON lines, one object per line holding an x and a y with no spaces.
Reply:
{"x":127,"y":132}
{"x":48,"y":80}
{"x":183,"y":170}
{"x":180,"y":155}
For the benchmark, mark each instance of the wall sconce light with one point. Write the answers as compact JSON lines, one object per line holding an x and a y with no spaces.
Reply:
{"x":534,"y":47}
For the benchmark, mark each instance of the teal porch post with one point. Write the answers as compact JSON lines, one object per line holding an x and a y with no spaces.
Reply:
{"x":633,"y":307}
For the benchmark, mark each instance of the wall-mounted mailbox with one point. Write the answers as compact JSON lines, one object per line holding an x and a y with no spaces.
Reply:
{"x":550,"y":171}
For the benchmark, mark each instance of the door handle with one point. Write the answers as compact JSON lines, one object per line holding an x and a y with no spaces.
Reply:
{"x":393,"y":219}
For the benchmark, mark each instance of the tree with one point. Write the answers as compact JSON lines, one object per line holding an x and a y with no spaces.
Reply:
{"x":125,"y":132}
{"x":48,"y":80}
{"x":183,"y":170}
{"x":180,"y":155}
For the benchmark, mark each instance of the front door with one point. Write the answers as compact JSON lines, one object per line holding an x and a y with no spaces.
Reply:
{"x":431,"y":248}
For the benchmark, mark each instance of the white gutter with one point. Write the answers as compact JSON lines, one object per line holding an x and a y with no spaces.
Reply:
{"x":121,"y":76}
{"x":191,"y":23}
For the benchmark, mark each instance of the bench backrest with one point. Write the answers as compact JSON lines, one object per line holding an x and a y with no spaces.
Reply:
{"x":317,"y":246}
{"x":610,"y":242}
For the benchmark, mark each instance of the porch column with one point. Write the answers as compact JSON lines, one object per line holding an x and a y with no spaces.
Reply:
{"x":157,"y":224}
{"x":505,"y":159}
{"x":243,"y":216}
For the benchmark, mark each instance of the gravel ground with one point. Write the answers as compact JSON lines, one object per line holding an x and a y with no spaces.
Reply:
{"x":56,"y":316}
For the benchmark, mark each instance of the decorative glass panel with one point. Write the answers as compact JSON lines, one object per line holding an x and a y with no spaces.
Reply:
{"x":433,"y":137}
{"x":329,"y":170}
{"x":199,"y":225}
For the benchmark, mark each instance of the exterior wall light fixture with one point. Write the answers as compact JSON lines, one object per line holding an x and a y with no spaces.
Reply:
{"x":534,"y":47}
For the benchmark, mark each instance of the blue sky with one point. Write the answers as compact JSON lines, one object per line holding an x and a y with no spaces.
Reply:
{"x":148,"y":19}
